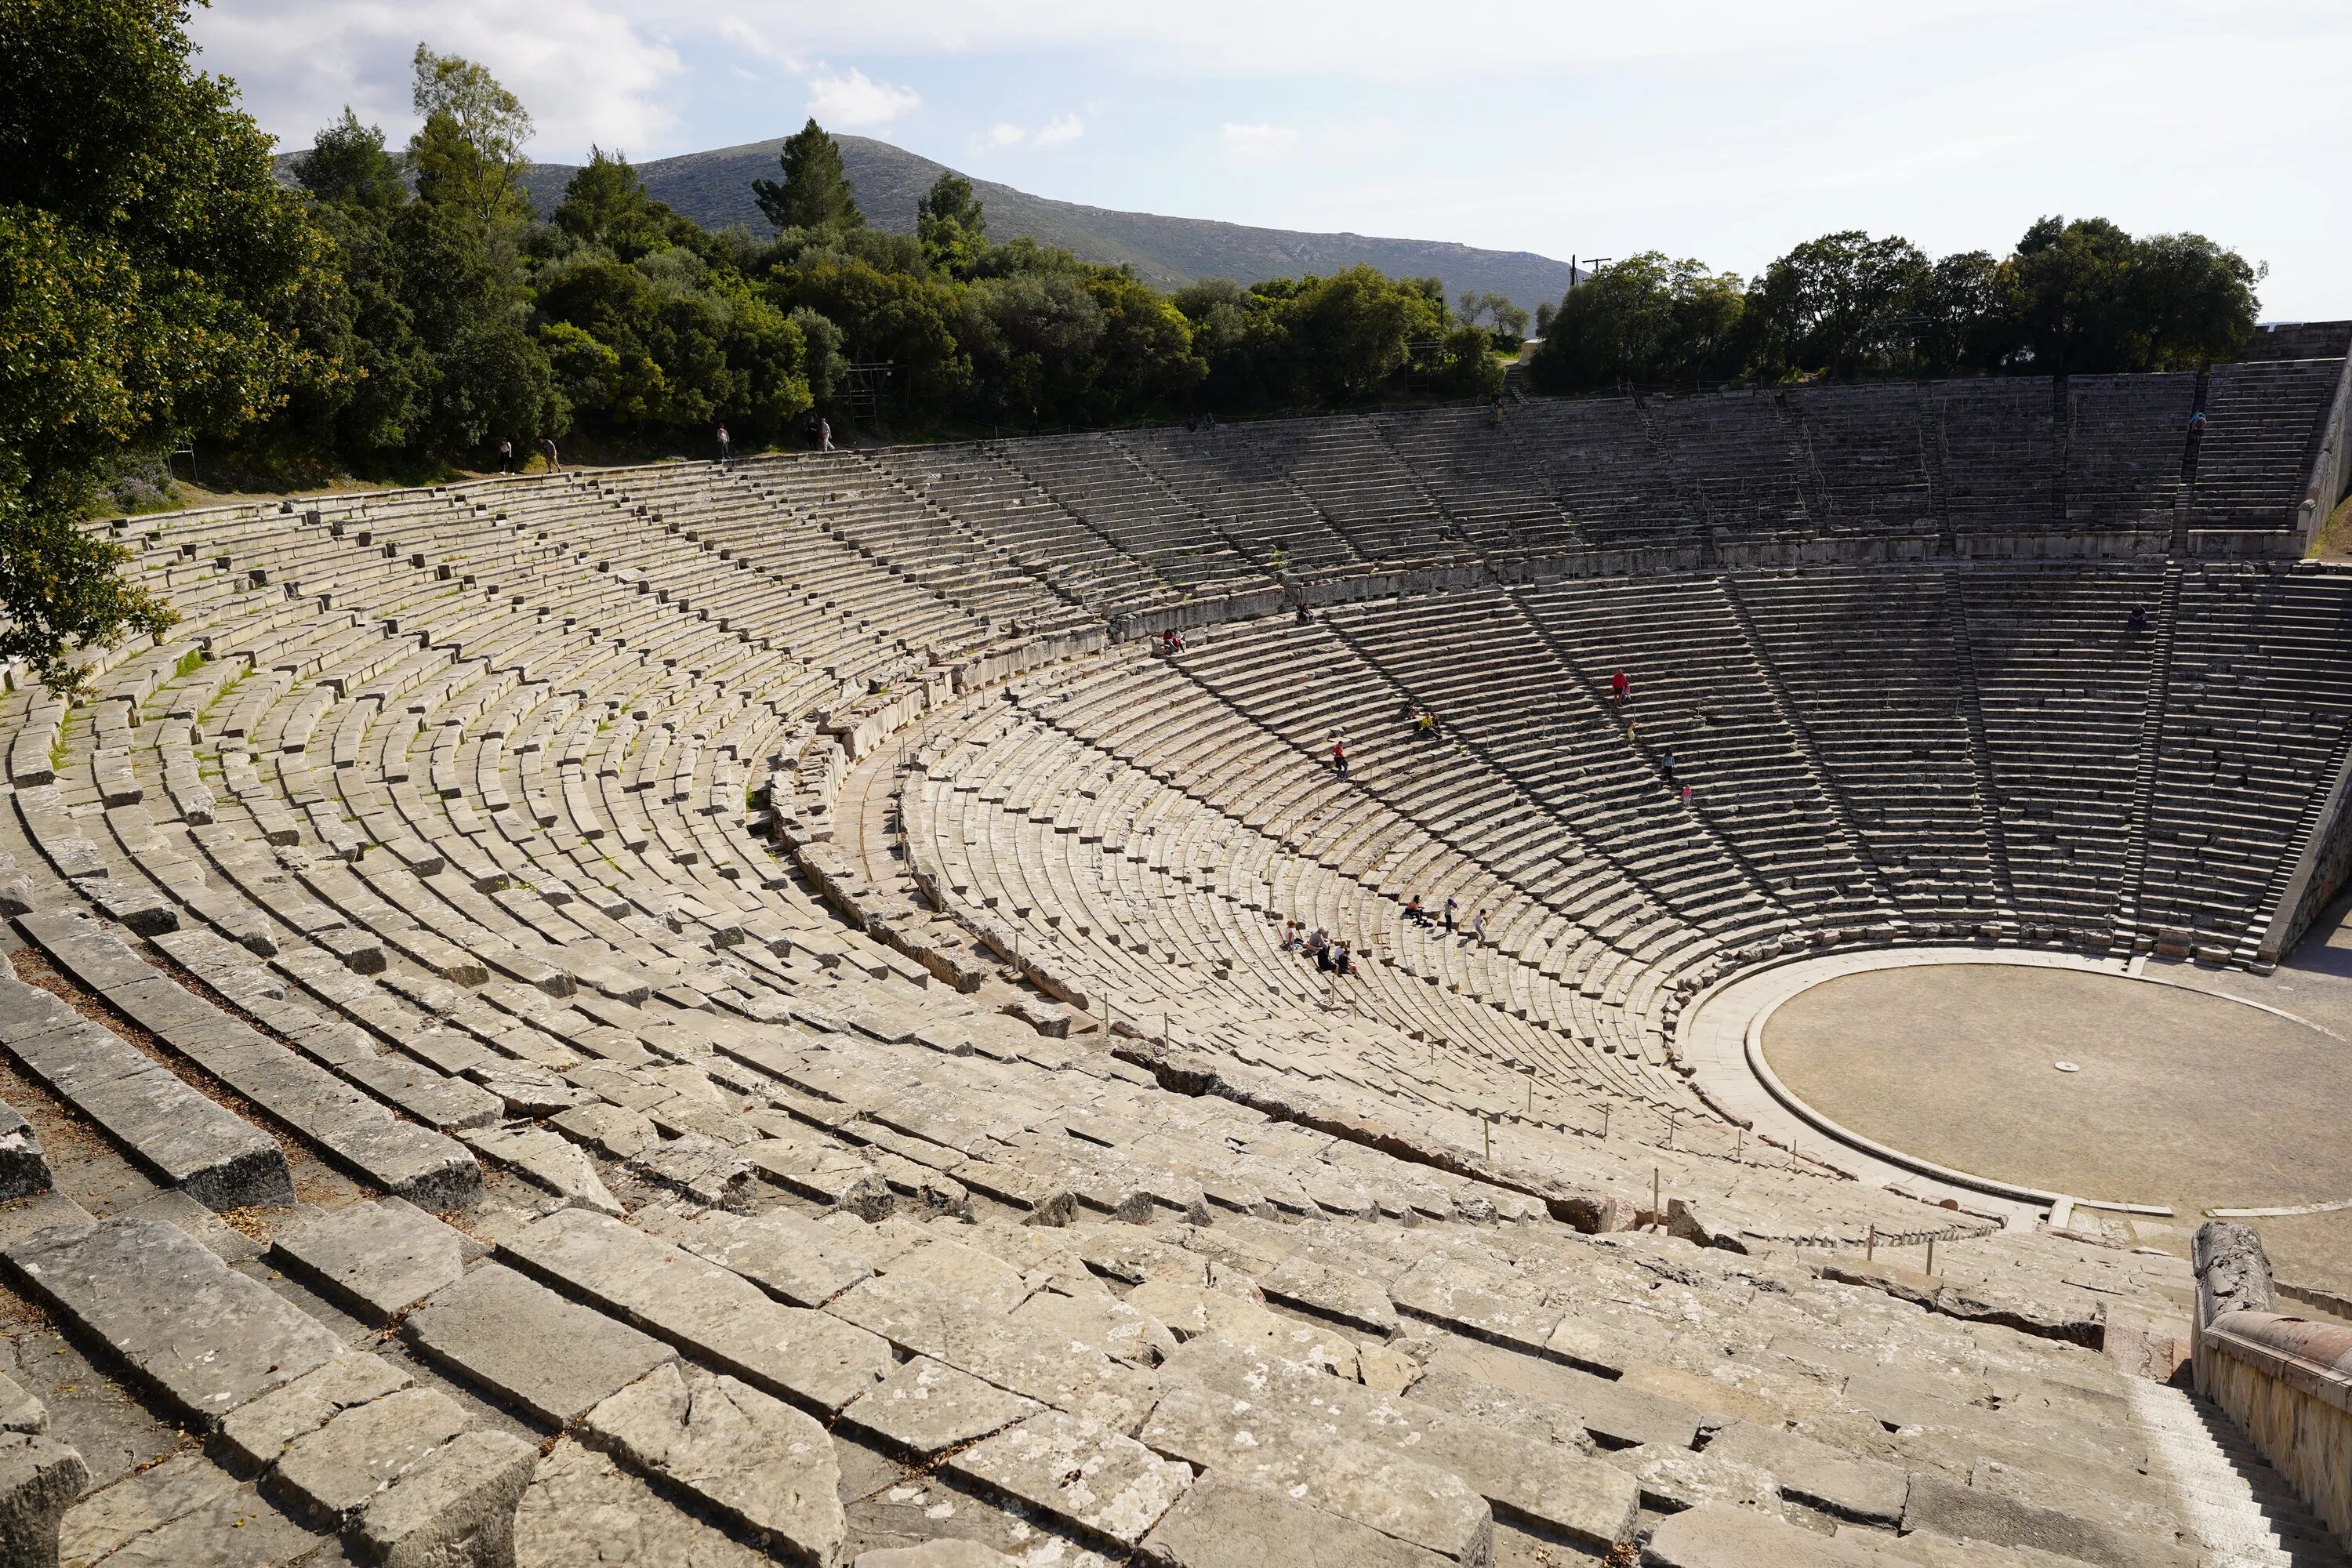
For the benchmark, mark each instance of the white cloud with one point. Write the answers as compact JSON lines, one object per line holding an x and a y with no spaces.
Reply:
{"x":853,"y":99}
{"x":1002,"y":135}
{"x":1259,"y":141}
{"x":593,"y":75}
{"x":1060,"y":129}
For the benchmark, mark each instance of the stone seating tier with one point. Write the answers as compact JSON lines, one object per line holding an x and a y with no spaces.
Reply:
{"x":718,"y":1038}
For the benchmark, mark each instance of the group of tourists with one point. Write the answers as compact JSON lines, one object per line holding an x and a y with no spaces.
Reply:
{"x":1330,"y":957}
{"x":1416,"y":914}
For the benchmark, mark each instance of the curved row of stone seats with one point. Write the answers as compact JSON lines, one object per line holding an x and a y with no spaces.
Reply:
{"x":2255,"y":725}
{"x":1863,"y":463}
{"x":979,"y":839}
{"x":2263,"y":424}
{"x":2125,"y":439}
{"x":1129,"y":903}
{"x":1735,"y":455}
{"x":710,"y":1377}
{"x":1099,"y":483}
{"x":1245,"y":474}
{"x":1354,"y":477}
{"x":2068,"y":695}
{"x":997,"y":503}
{"x":1476,"y":470}
{"x":737,"y":1085}
{"x":854,"y":497}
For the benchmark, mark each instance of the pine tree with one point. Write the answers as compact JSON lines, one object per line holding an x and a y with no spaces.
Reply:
{"x":814,"y":194}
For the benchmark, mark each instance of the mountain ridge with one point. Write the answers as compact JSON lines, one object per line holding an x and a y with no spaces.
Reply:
{"x":714,"y":188}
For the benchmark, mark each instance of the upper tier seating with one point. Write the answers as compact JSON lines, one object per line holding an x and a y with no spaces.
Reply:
{"x":696,"y":1016}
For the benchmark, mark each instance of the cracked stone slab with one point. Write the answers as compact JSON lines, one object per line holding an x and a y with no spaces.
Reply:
{"x":518,"y":1339}
{"x":1869,"y":1491}
{"x":454,"y":1507}
{"x":325,"y":1476}
{"x":1189,"y":1311}
{"x":1224,"y":1521}
{"x":752,"y":1457}
{"x":259,"y":1432}
{"x":702,"y":1169}
{"x":1557,"y":1489}
{"x":548,"y":1161}
{"x":925,"y":1408}
{"x":205,"y":1336}
{"x":1081,"y":1473}
{"x":582,"y":1510}
{"x":1379,"y":1488}
{"x":796,"y":1261}
{"x":924,"y":1320}
{"x":1672,"y":1480}
{"x":814,"y":1360}
{"x":378,"y":1259}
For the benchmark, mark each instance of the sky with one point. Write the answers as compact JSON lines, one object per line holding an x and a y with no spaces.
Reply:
{"x":1720,"y":130}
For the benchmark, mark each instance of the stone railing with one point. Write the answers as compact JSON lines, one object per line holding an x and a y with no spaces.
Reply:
{"x":2285,"y":1381}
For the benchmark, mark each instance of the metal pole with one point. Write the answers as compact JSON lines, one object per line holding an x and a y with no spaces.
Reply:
{"x":1740,"y":1151}
{"x":1604,"y":1124}
{"x":1486,"y":1126}
{"x":1654,"y":1195}
{"x":1931,"y":1255}
{"x":1870,"y":1248}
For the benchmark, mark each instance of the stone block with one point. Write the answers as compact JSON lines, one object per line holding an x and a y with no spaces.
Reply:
{"x":1223,"y":1521}
{"x":518,"y":1339}
{"x":378,"y":1259}
{"x":40,"y":1477}
{"x":751,"y":1458}
{"x":454,"y":1508}
{"x":924,"y":1409}
{"x":1089,"y":1479}
{"x":206,"y":1338}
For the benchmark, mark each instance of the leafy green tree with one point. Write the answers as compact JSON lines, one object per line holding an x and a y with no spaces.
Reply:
{"x":950,"y":225}
{"x":1644,"y":319}
{"x":604,"y":202}
{"x":489,"y":378}
{"x":1146,"y":352}
{"x":1959,"y":323}
{"x":468,"y":152}
{"x":824,"y":363}
{"x":1349,"y":334}
{"x":1838,"y":305}
{"x":1466,"y":365}
{"x":2084,"y":296}
{"x":909,"y":320}
{"x":815,"y":193}
{"x":1506,"y":320}
{"x":347,"y":166}
{"x":153,"y":280}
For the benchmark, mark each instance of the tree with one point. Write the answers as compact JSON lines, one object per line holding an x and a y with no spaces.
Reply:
{"x":347,"y":165}
{"x":1349,"y":334}
{"x":815,"y":193}
{"x":604,"y":202}
{"x":154,"y":279}
{"x":1545,"y":312}
{"x":950,"y":225}
{"x":1838,"y":305}
{"x":468,"y":152}
{"x":1957,"y":322}
{"x":1644,"y":319}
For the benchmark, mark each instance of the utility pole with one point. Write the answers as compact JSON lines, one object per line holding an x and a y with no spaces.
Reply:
{"x":1595,"y":263}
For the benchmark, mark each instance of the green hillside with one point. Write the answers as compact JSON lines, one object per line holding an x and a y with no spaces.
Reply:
{"x":714,"y":189}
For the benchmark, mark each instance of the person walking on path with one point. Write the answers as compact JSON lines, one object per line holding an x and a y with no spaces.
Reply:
{"x":1339,"y":757}
{"x":1478,"y":926}
{"x":1619,"y":687}
{"x":1451,"y":909}
{"x":825,"y":435}
{"x":725,"y":446}
{"x":547,"y":449}
{"x":1666,"y":761}
{"x":505,"y":456}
